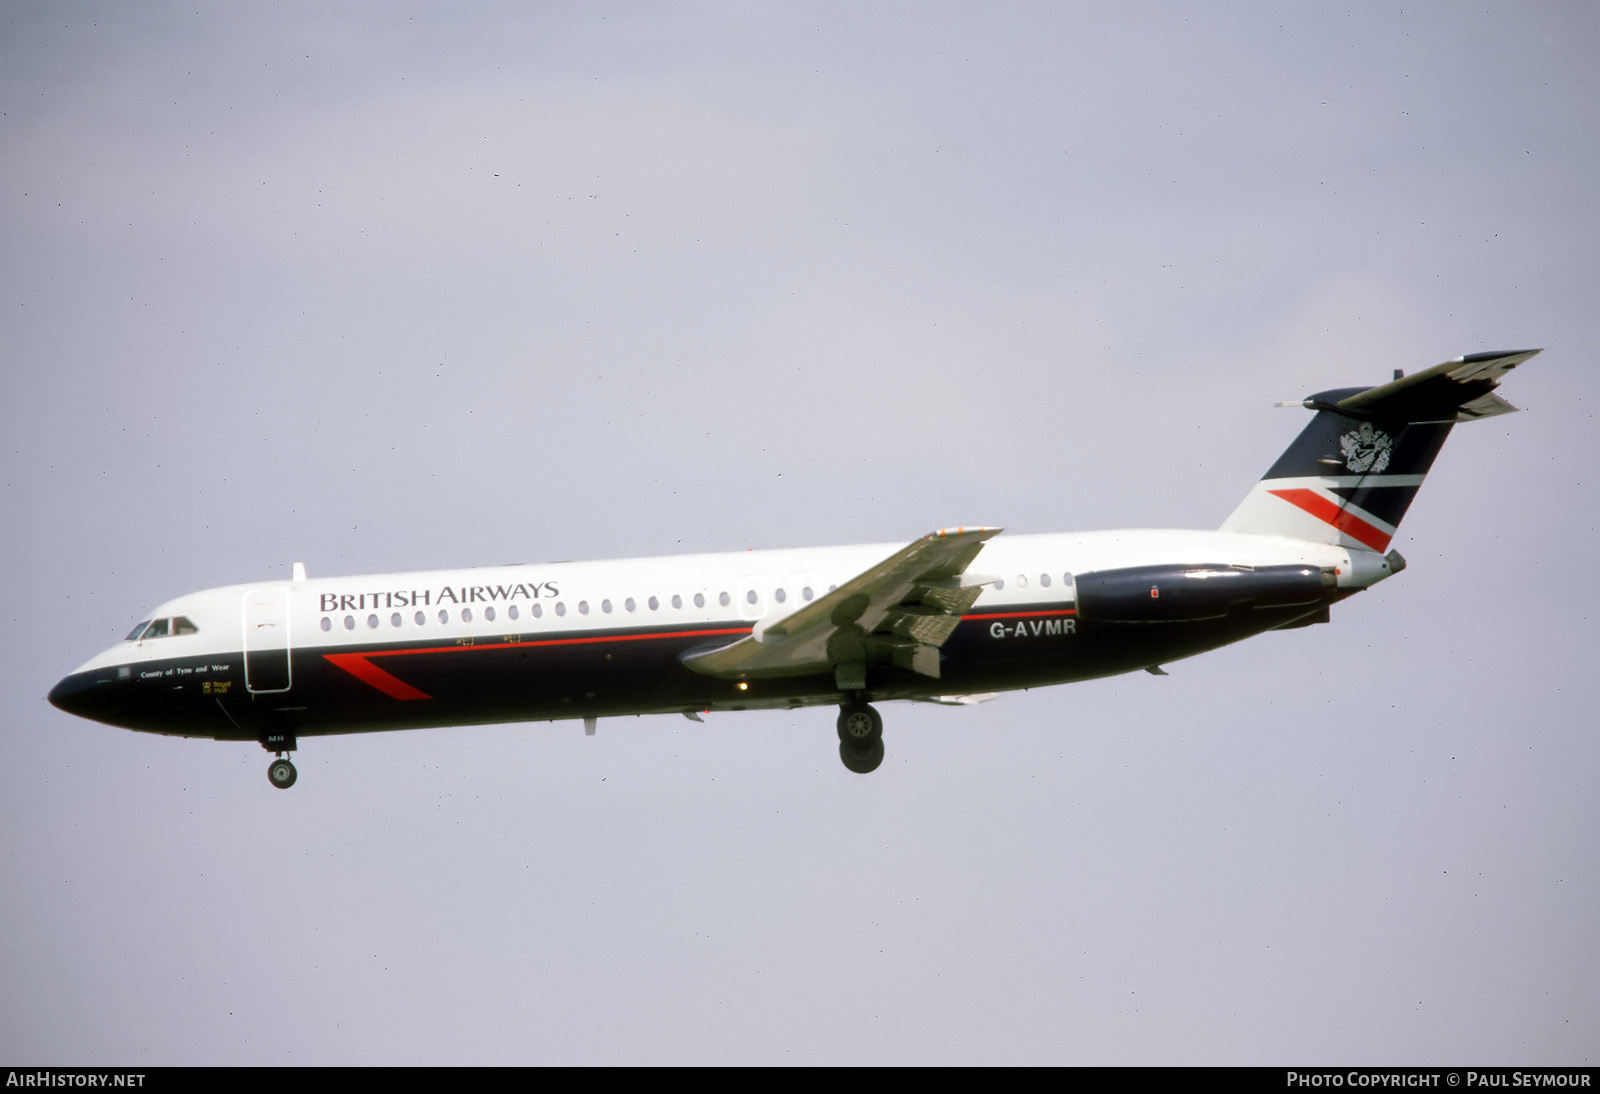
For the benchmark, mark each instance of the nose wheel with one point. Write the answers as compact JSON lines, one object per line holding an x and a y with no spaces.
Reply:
{"x":860,"y":737}
{"x":281,"y":773}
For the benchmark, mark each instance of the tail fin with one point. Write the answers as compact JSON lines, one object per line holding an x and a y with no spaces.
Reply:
{"x":1352,"y":473}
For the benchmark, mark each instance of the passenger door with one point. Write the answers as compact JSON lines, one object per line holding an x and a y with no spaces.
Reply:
{"x":266,"y":639}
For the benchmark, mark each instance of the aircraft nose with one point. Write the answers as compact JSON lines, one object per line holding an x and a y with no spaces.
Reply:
{"x":85,"y":695}
{"x":67,"y":695}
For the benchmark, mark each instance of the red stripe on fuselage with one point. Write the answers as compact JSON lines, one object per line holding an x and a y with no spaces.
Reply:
{"x":1021,"y":615}
{"x":358,"y":665}
{"x":1329,"y":513}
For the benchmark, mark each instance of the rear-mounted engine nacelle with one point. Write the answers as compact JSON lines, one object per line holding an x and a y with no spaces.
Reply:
{"x":1172,"y":594}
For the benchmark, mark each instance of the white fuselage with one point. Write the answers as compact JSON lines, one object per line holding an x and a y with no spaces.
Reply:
{"x":684,"y":591}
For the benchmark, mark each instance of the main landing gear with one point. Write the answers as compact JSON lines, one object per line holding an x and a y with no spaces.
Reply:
{"x":860,"y":736}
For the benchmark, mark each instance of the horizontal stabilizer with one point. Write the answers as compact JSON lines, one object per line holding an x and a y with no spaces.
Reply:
{"x":1455,"y":391}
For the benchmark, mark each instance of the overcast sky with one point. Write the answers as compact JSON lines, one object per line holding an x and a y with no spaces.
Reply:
{"x":400,"y":286}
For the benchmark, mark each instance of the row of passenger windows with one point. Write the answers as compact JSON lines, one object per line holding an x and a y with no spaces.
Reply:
{"x":161,"y":628}
{"x":629,"y":604}
{"x":1045,"y":581}
{"x":512,"y":611}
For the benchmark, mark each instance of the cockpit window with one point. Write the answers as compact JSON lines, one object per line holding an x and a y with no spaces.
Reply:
{"x":161,"y":628}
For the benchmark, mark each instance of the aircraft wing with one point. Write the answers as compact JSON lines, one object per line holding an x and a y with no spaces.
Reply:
{"x":899,"y":611}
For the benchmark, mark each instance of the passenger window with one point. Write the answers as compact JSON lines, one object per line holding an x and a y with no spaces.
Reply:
{"x":806,"y":594}
{"x":561,"y":608}
{"x":394,"y":620}
{"x":422,"y":618}
{"x":630,"y":605}
{"x":349,"y":622}
{"x":699,"y":600}
{"x":724,"y":599}
{"x":1044,"y":580}
{"x":372,"y":622}
{"x":999,"y":584}
{"x":488,"y":613}
{"x":327,"y":624}
{"x":677,"y":601}
{"x":655,"y":605}
{"x":777,"y":594}
{"x":466,"y":615}
{"x":583,"y":607}
{"x":538,"y":610}
{"x":605,"y":606}
{"x":512,"y":611}
{"x":750,"y":597}
{"x":444,"y":616}
{"x":1022,"y":581}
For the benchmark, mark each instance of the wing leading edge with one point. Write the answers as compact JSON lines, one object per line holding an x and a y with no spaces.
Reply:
{"x":898,"y":612}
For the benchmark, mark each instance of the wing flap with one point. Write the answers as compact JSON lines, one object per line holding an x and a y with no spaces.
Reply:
{"x":960,"y":700}
{"x":899,"y":611}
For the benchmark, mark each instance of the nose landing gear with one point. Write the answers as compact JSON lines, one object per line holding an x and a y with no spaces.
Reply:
{"x":281,"y":773}
{"x":860,"y":737}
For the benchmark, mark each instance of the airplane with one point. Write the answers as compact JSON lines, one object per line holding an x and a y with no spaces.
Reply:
{"x":956,"y":616}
